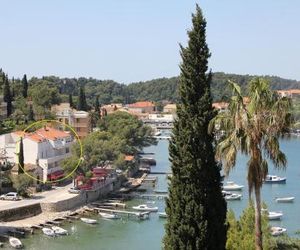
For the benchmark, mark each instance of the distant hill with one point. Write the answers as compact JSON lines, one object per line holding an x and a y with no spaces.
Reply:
{"x":153,"y":90}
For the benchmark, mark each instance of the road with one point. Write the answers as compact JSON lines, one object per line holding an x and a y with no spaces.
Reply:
{"x":59,"y":193}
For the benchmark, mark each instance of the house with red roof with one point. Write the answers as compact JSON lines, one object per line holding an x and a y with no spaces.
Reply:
{"x":45,"y":148}
{"x":141,"y":107}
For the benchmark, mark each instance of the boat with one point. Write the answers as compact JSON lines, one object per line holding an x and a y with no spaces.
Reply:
{"x":59,"y":230}
{"x":231,"y":186}
{"x":89,"y":221}
{"x":285,"y":199}
{"x":274,"y":215}
{"x":274,"y":179}
{"x":224,"y":193}
{"x":157,"y":133}
{"x":233,"y":196}
{"x":276,"y":231}
{"x":162,"y":215}
{"x":15,"y":242}
{"x":48,"y":231}
{"x":158,"y":191}
{"x":109,"y":216}
{"x":144,"y":207}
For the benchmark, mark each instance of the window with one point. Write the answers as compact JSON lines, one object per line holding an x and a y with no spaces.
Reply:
{"x":67,"y":150}
{"x":77,"y":129}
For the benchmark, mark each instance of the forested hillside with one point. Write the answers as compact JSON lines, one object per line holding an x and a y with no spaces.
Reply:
{"x":154,"y":90}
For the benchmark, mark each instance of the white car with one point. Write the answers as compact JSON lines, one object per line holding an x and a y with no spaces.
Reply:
{"x":12,"y":196}
{"x":74,"y":190}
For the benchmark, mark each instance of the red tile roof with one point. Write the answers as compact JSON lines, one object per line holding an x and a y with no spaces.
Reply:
{"x":141,"y":104}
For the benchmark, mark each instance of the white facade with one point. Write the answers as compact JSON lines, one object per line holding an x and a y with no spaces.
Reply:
{"x":161,"y":117}
{"x":38,"y":149}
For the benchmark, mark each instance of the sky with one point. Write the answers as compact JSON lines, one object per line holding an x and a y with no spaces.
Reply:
{"x":137,"y":40}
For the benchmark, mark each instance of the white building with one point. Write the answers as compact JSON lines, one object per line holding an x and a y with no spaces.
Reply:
{"x":161,"y":118}
{"x":45,"y":148}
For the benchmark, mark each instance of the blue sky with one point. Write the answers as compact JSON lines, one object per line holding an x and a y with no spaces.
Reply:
{"x":136,"y":40}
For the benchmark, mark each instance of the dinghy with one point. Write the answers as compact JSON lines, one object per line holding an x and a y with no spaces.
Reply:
{"x":15,"y":242}
{"x":59,"y":230}
{"x":89,"y":221}
{"x":285,"y":199}
{"x":48,"y":231}
{"x":162,"y":215}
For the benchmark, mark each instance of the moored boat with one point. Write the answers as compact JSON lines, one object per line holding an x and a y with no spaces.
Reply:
{"x":59,"y":230}
{"x":231,"y":197}
{"x":285,"y":199}
{"x":15,"y":242}
{"x":276,"y":231}
{"x":274,"y":215}
{"x":89,"y":221}
{"x":109,"y":216}
{"x":231,"y":186}
{"x":48,"y":231}
{"x":274,"y":179}
{"x":144,"y":207}
{"x":162,"y":215}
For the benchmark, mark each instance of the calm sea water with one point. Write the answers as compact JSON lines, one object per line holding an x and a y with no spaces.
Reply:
{"x":147,"y":235}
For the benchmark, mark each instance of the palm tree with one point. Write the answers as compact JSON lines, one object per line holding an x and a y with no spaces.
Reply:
{"x":253,"y":127}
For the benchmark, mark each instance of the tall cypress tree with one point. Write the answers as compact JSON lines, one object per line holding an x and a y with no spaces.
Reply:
{"x":71,"y":101}
{"x":30,"y":114}
{"x":7,"y":95}
{"x":82,"y":105}
{"x":25,"y":86}
{"x":21,"y":158}
{"x":196,"y":209}
{"x":97,"y":105}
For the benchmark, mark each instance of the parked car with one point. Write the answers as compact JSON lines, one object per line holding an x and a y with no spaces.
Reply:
{"x":74,"y":190}
{"x":13,"y":196}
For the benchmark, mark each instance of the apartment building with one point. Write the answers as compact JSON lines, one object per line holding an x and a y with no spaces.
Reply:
{"x":44,"y":148}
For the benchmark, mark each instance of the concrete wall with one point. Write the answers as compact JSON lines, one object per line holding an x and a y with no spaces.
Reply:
{"x":20,"y":212}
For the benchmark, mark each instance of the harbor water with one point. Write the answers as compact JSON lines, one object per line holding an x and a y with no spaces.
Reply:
{"x":128,"y":233}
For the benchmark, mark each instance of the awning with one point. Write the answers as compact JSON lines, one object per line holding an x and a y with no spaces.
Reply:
{"x":56,"y":175}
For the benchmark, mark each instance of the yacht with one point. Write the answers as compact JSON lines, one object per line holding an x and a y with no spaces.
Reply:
{"x":231,"y":186}
{"x":285,"y":199}
{"x":275,"y":179}
{"x":276,"y":231}
{"x":144,"y":207}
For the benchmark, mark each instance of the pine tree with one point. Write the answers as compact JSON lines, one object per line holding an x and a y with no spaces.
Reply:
{"x":7,"y":96}
{"x":21,"y":158}
{"x":82,"y":105}
{"x":30,"y":114}
{"x":25,"y":86}
{"x":196,"y":209}
{"x":71,"y":101}
{"x":97,"y":105}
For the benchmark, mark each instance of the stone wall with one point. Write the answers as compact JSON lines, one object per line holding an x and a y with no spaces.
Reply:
{"x":20,"y":212}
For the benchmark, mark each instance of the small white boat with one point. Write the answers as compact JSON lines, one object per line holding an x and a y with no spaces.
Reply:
{"x":231,"y":186}
{"x":275,"y":179}
{"x":232,"y":197}
{"x":226,"y":193}
{"x":144,"y":207}
{"x":285,"y":199}
{"x":162,"y":215}
{"x":15,"y":242}
{"x":157,"y":133}
{"x":276,"y":231}
{"x":59,"y":230}
{"x":109,"y":216}
{"x":274,"y":215}
{"x":89,"y":221}
{"x":48,"y":231}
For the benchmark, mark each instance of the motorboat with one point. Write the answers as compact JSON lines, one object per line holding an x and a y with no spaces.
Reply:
{"x":275,"y":179}
{"x":231,"y":186}
{"x":15,"y":242}
{"x":233,"y":196}
{"x":276,"y":231}
{"x":109,"y":216}
{"x":59,"y":230}
{"x":274,"y":215}
{"x":157,"y":133}
{"x":285,"y":199}
{"x":224,"y":193}
{"x":89,"y":221}
{"x":162,"y":215}
{"x":48,"y":231}
{"x":144,"y":207}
